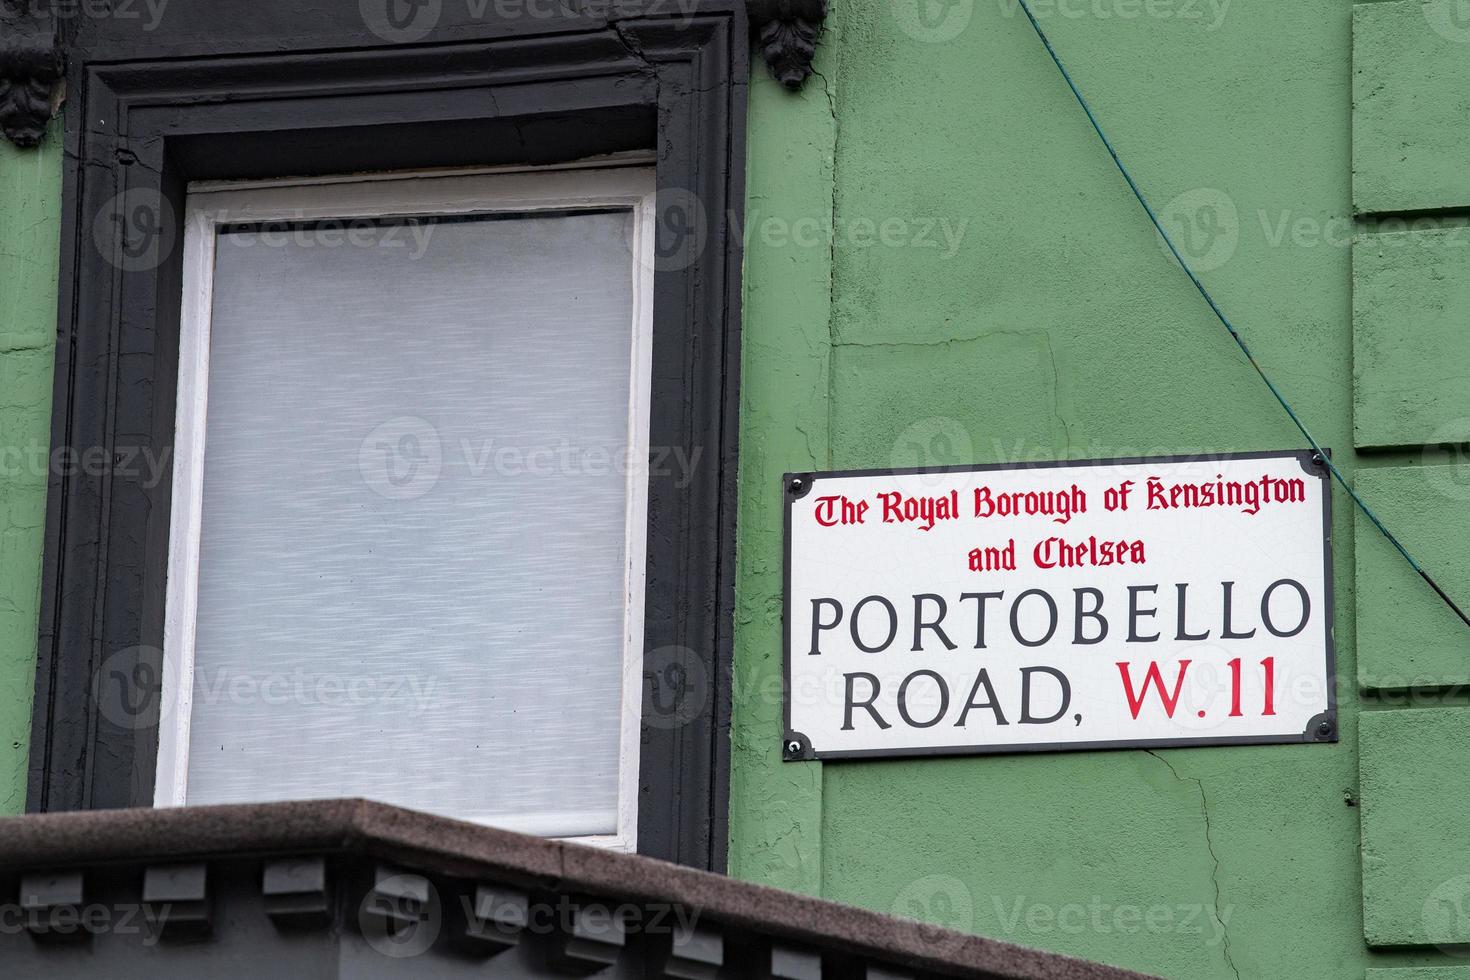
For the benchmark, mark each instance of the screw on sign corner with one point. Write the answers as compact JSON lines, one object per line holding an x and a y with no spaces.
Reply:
{"x":796,"y":748}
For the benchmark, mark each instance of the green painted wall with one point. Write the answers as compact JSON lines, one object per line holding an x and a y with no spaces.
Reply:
{"x":943,"y":267}
{"x":30,"y":192}
{"x":1056,"y":327}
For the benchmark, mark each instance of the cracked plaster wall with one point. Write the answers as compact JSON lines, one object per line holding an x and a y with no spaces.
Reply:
{"x":30,"y":190}
{"x":1051,"y":324}
{"x":1045,"y":323}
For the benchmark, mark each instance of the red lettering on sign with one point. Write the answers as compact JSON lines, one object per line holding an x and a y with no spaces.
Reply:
{"x":1135,"y":701}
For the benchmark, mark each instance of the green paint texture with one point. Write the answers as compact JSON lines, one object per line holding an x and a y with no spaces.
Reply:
{"x":1411,"y":303}
{"x":775,"y":819}
{"x":1411,"y":92}
{"x":1020,"y":307}
{"x":30,"y":191}
{"x":1407,"y":638}
{"x":942,"y":266}
{"x":1416,"y":820}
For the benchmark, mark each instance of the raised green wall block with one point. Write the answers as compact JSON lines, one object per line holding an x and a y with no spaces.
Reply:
{"x":1421,"y":973}
{"x":1407,"y":637}
{"x":1416,"y":826}
{"x":30,"y":213}
{"x":1411,"y":304}
{"x":1411,"y":73}
{"x":874,"y":419}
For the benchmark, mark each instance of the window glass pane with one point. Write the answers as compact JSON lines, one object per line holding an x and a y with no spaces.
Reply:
{"x":412,"y":575}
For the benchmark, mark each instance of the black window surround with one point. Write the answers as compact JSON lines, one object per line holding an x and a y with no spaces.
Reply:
{"x":247,"y":89}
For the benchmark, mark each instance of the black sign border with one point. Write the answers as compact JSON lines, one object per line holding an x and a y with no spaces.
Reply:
{"x":1323,"y":728}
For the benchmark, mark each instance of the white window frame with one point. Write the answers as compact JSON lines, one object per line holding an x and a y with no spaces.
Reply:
{"x":210,"y":205}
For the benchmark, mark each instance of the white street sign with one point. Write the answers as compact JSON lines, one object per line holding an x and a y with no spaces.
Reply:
{"x":1144,"y":602}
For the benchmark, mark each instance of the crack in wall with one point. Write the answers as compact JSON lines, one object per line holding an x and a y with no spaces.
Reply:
{"x":831,"y":260}
{"x":514,"y":121}
{"x":1056,"y":392}
{"x":1204,"y":807}
{"x":631,"y":45}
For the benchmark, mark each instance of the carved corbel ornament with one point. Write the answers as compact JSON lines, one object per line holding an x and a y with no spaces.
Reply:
{"x":786,"y":31}
{"x":31,"y":65}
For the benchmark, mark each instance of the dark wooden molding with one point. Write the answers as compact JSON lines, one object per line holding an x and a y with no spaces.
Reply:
{"x":254,"y":89}
{"x":31,"y":65}
{"x":390,"y":862}
{"x":786,"y":31}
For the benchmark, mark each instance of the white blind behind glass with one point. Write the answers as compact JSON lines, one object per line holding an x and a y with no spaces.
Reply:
{"x":412,"y":572}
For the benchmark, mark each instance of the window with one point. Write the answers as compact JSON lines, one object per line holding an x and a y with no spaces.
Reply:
{"x":407,"y":551}
{"x":236,"y":115}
